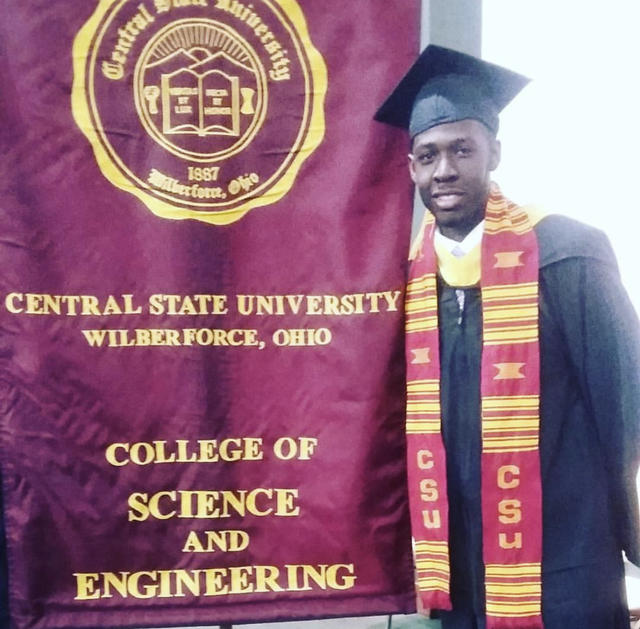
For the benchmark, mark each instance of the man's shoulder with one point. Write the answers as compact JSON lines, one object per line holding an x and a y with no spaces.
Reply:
{"x":561,"y":237}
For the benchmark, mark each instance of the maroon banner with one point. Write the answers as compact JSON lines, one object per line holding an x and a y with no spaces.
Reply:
{"x":202,"y":278}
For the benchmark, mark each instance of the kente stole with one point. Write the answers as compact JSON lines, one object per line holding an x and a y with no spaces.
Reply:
{"x":510,"y":390}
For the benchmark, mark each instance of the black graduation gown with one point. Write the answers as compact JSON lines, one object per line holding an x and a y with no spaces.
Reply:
{"x":589,"y":441}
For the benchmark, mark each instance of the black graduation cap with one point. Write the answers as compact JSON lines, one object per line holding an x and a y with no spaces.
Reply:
{"x":445,"y":85}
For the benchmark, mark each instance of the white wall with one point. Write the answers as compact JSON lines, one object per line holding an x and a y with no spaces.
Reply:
{"x":571,"y":140}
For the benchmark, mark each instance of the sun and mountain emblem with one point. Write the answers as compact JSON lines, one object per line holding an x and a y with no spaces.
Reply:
{"x":200,"y":90}
{"x":189,"y":105}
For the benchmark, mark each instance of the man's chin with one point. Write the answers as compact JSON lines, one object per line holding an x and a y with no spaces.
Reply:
{"x":448,"y":215}
{"x":455,"y":222}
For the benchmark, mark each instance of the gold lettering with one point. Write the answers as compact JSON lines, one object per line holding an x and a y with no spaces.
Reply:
{"x":272,"y":47}
{"x":95,"y":338}
{"x":240,"y":583}
{"x":343,"y":581}
{"x":129,"y":307}
{"x":138,"y":511}
{"x":202,"y":504}
{"x":508,"y":477}
{"x":307,"y":448}
{"x":34,"y":303}
{"x":317,"y":574}
{"x":141,"y":453}
{"x":252,"y":501}
{"x":199,"y":305}
{"x":111,"y":306}
{"x":331,"y":303}
{"x":391,"y":298}
{"x":231,"y":449}
{"x":154,"y":505}
{"x":110,"y":454}
{"x":425,"y":459}
{"x":504,"y":542}
{"x":188,"y":579}
{"x":200,"y":451}
{"x":227,"y":541}
{"x":9,"y":303}
{"x":510,"y":512}
{"x":429,"y":489}
{"x":160,"y":455}
{"x":113,"y":71}
{"x":180,"y":305}
{"x":148,"y":590}
{"x":165,"y":584}
{"x":373,"y":299}
{"x":193,"y":544}
{"x":155,"y":305}
{"x":285,"y":503}
{"x":86,"y":586}
{"x":314,"y":305}
{"x":431,"y":519}
{"x":267,"y":579}
{"x":214,"y":581}
{"x":116,"y":581}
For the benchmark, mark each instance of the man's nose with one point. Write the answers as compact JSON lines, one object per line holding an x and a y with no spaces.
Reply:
{"x":445,"y":169}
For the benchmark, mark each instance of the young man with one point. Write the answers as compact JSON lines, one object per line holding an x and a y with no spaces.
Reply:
{"x":523,"y":379}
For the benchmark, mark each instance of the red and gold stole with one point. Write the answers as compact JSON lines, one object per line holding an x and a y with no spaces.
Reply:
{"x":510,"y":388}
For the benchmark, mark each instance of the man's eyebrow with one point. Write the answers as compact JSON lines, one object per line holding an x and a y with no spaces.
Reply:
{"x":462,"y":140}
{"x":425,"y":145}
{"x":459,"y":140}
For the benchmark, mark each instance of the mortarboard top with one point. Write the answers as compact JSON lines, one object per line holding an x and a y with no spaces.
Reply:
{"x":443,"y":86}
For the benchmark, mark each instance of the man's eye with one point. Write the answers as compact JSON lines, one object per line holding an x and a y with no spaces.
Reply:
{"x":426,"y":158}
{"x":463,"y":151}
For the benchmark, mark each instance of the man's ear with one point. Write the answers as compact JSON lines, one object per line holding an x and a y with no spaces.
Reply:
{"x":494,"y":154}
{"x":412,"y":167}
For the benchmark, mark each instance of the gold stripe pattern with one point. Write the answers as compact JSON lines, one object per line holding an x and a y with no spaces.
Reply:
{"x":421,"y":324}
{"x":421,"y":304}
{"x":513,"y":590}
{"x":510,"y":423}
{"x":510,"y":404}
{"x":505,"y":216}
{"x":510,"y":313}
{"x":432,"y":565}
{"x":423,"y":407}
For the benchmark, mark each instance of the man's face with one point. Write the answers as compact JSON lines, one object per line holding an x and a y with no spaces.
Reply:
{"x":450,"y":165}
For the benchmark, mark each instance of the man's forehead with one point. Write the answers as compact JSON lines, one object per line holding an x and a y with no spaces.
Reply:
{"x":468,"y":130}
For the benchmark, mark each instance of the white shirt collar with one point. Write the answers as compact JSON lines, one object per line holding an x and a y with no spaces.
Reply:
{"x":461,"y":249}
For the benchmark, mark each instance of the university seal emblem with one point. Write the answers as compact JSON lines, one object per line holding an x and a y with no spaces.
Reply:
{"x":202,"y":109}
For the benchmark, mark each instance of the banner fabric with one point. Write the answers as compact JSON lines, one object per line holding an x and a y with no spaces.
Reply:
{"x":203,"y":236}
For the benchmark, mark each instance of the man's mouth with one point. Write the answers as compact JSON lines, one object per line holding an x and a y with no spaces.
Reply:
{"x":447,"y":193}
{"x":446,"y":198}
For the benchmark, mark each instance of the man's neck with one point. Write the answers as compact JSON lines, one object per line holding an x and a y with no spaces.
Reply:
{"x":460,"y":248}
{"x":459,"y":233}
